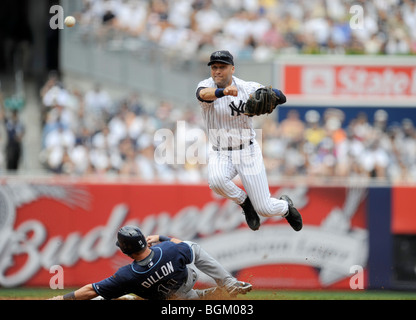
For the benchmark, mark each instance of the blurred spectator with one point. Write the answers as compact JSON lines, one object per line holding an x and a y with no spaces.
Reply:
{"x":79,"y":157}
{"x":360,"y":127}
{"x":380,"y":120}
{"x":314,"y":133}
{"x":97,"y":103}
{"x":349,"y":153}
{"x":292,"y":128}
{"x":405,"y":150}
{"x":15,"y":131}
{"x":104,"y":139}
{"x":207,"y":19}
{"x":58,"y":142}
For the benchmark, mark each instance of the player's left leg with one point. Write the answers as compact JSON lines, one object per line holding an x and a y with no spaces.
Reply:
{"x":186,"y":291}
{"x":211,"y":267}
{"x":253,"y":176}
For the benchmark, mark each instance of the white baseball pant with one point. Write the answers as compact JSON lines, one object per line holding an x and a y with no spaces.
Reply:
{"x":224,"y":165}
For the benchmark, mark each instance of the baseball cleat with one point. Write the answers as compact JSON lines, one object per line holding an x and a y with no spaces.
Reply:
{"x":252,"y":217}
{"x":239,"y":287}
{"x":292,"y":216}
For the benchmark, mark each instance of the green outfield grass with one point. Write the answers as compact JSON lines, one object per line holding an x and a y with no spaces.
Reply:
{"x":45,"y":293}
{"x":331,"y":295}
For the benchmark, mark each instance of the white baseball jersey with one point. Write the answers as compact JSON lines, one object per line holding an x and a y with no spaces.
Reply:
{"x":224,"y":119}
{"x":236,"y":151}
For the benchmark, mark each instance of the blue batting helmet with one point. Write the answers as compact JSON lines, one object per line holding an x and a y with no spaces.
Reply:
{"x":130,"y":240}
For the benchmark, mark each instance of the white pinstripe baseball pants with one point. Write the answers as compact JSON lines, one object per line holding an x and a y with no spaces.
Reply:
{"x":248,"y":163}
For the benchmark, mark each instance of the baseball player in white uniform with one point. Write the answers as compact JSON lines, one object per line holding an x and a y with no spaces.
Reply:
{"x":234,"y":149}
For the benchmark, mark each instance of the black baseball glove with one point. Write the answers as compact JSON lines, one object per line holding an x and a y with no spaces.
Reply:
{"x":263,"y":101}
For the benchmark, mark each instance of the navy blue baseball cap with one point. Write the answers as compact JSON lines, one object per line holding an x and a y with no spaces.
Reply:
{"x":222,"y":56}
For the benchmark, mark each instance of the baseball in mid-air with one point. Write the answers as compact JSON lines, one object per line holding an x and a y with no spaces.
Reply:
{"x":70,"y":21}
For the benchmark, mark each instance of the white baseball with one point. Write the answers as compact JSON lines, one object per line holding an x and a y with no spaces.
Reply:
{"x":70,"y":21}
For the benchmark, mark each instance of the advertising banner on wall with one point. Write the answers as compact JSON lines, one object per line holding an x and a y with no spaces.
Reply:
{"x":361,"y":81}
{"x":74,"y":226}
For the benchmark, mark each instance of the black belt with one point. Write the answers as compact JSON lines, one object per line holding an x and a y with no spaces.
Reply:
{"x":240,"y":147}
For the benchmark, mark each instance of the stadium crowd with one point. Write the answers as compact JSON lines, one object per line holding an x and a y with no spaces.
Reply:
{"x":256,"y":29}
{"x":91,"y":133}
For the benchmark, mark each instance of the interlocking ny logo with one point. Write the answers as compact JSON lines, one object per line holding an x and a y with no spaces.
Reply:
{"x":239,"y":109}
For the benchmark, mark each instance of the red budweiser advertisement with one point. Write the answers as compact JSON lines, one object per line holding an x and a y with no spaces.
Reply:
{"x":363,"y":79}
{"x":74,"y":225}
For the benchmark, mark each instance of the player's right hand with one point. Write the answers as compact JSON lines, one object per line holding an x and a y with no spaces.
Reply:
{"x":152,"y":239}
{"x":231,"y":91}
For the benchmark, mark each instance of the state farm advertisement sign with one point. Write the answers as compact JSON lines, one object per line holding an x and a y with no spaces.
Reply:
{"x":74,"y":226}
{"x":349,"y":80}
